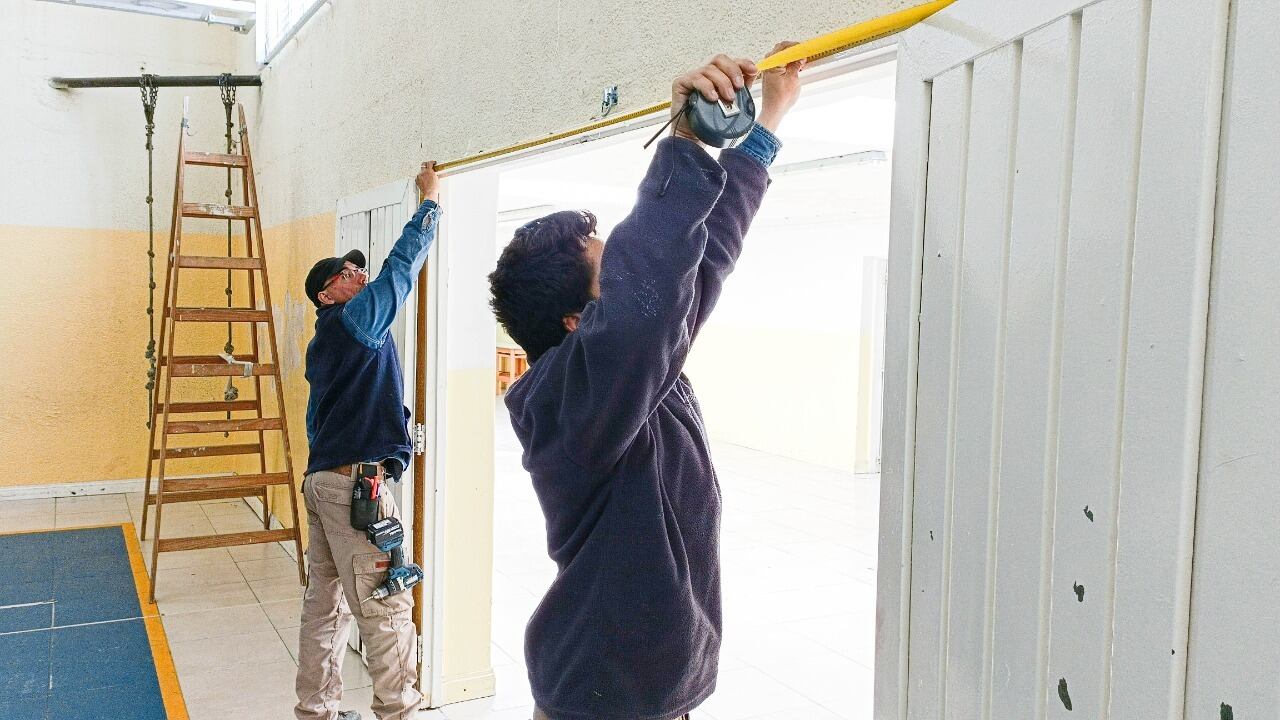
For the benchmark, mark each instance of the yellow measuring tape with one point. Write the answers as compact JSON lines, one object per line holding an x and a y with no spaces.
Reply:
{"x":813,"y":49}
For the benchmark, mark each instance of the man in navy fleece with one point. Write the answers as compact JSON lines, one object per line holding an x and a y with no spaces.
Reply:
{"x":612,"y":434}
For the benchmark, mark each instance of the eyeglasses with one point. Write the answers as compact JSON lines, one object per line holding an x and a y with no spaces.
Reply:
{"x":346,"y":274}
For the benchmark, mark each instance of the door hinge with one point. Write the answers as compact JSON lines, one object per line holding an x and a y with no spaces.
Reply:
{"x":419,"y":439}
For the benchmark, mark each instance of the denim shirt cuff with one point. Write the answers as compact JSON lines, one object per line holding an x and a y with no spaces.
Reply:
{"x":428,"y":212}
{"x":761,"y":145}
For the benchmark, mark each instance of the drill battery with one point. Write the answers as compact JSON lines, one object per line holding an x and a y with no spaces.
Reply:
{"x":385,"y":534}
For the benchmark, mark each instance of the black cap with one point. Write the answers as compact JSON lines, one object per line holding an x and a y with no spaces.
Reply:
{"x":327,"y":268}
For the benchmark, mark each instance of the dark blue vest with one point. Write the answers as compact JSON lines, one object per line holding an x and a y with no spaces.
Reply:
{"x":356,"y":409}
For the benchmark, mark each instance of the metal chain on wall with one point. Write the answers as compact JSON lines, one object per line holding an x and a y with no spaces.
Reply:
{"x":150,"y":93}
{"x":228,"y":92}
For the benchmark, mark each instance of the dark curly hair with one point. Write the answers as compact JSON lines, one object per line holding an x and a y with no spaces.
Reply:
{"x":543,"y":275}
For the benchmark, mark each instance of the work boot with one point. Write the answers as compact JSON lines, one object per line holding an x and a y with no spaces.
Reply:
{"x":348,"y":715}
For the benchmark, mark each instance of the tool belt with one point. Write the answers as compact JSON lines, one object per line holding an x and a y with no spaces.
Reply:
{"x":391,"y":468}
{"x":347,"y":470}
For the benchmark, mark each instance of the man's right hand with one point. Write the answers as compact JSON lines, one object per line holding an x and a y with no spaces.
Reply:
{"x":720,"y":79}
{"x":429,"y":182}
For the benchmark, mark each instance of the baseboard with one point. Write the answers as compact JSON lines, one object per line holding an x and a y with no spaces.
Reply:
{"x":102,"y":487}
{"x":471,"y":686}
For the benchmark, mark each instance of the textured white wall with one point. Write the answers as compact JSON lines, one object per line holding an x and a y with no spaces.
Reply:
{"x":367,"y":89}
{"x":76,"y":158}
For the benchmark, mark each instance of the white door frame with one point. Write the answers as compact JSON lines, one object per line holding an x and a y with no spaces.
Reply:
{"x":398,"y":200}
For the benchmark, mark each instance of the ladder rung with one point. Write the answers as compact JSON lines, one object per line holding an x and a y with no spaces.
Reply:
{"x":164,"y":360}
{"x":195,"y":314}
{"x":179,"y":408}
{"x":202,"y":495}
{"x":207,"y":451}
{"x":216,"y":370}
{"x":223,"y":482}
{"x":218,"y":212}
{"x":219,"y":263}
{"x":209,"y":426}
{"x":201,"y":542}
{"x":214,"y":159}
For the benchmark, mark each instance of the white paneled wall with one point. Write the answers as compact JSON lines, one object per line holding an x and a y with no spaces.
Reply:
{"x":1081,"y":503}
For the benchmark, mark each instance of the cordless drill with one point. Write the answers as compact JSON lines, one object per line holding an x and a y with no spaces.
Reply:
{"x":387,"y":535}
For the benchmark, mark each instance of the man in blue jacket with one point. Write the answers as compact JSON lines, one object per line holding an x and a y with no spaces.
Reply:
{"x":355,"y":414}
{"x":612,"y":433}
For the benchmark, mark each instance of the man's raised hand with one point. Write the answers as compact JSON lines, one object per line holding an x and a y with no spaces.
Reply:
{"x":428,"y":181}
{"x":781,"y":89}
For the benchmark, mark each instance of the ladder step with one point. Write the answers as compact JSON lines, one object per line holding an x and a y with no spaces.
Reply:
{"x":201,"y":407}
{"x":218,"y":370}
{"x":211,"y":426}
{"x":219,"y":263}
{"x":214,"y":159}
{"x":164,"y":360}
{"x":218,"y":212}
{"x":224,"y":482}
{"x":202,"y":495}
{"x":199,"y":314}
{"x":201,"y":542}
{"x":207,"y":451}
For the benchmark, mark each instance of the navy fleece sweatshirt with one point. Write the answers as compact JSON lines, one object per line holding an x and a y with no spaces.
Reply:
{"x":614,"y":440}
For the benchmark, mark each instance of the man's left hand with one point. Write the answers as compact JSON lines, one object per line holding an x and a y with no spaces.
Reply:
{"x":781,"y":89}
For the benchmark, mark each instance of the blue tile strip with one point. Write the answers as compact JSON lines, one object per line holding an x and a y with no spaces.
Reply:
{"x":72,"y":644}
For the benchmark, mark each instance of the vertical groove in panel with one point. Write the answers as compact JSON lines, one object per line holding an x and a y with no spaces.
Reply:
{"x":1093,"y":319}
{"x":961,"y":191}
{"x":924,"y":108}
{"x":1230,"y":661}
{"x":978,"y":329}
{"x":997,"y":404}
{"x":1122,"y":363}
{"x":1173,"y":242}
{"x":948,"y":137}
{"x":1049,"y":510}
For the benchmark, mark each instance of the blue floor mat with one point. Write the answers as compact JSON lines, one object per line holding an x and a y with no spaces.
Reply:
{"x":73,"y":644}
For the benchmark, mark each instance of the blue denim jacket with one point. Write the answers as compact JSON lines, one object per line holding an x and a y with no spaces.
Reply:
{"x":368,"y":315}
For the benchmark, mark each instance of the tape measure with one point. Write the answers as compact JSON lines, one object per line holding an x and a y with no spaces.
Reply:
{"x":719,"y":124}
{"x":715,"y":122}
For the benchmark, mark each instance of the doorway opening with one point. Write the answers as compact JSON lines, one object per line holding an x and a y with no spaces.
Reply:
{"x":788,"y":374}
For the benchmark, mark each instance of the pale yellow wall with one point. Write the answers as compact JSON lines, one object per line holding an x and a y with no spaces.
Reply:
{"x":73,"y":232}
{"x":777,"y":367}
{"x":785,"y":392}
{"x":468,"y":536}
{"x":74,"y":334}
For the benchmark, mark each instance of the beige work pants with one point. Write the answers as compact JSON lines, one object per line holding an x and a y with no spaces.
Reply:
{"x":344,"y":569}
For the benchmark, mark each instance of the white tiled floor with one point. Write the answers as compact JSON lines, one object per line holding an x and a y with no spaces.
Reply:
{"x":799,"y":572}
{"x":798,"y":560}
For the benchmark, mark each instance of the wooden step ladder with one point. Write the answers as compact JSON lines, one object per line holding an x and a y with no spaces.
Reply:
{"x":165,"y":413}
